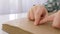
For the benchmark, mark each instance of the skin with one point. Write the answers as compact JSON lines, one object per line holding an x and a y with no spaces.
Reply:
{"x":49,"y":18}
{"x":37,"y":13}
{"x":56,"y":21}
{"x":55,"y":18}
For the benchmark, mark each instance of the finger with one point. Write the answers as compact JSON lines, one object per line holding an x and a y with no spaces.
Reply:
{"x":46,"y":19}
{"x":43,"y":21}
{"x":45,"y":14}
{"x":37,"y":16}
{"x":37,"y":20}
{"x":31,"y":14}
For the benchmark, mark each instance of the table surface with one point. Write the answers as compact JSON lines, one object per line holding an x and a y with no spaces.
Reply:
{"x":9,"y":17}
{"x":27,"y":25}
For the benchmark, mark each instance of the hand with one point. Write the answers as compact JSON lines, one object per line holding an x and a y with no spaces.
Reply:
{"x":37,"y":13}
{"x":56,"y":21}
{"x":49,"y":18}
{"x":55,"y":18}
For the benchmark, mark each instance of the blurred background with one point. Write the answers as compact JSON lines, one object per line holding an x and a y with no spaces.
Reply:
{"x":17,"y":6}
{"x":15,"y":9}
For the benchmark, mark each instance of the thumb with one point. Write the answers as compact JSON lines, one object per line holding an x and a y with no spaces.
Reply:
{"x":43,"y":20}
{"x":47,"y":19}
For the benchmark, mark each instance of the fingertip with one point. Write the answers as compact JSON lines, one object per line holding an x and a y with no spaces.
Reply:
{"x":36,"y":23}
{"x":37,"y":20}
{"x":43,"y":21}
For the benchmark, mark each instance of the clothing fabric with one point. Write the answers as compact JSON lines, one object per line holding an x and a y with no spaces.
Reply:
{"x":52,"y":5}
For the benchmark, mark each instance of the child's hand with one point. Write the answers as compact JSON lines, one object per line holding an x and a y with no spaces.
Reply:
{"x":56,"y":21}
{"x":55,"y":18}
{"x":37,"y":13}
{"x":48,"y":18}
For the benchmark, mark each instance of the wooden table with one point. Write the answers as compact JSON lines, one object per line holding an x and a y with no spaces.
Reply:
{"x":24,"y":26}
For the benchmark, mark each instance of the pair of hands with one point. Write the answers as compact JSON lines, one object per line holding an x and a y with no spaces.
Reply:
{"x":38,"y":13}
